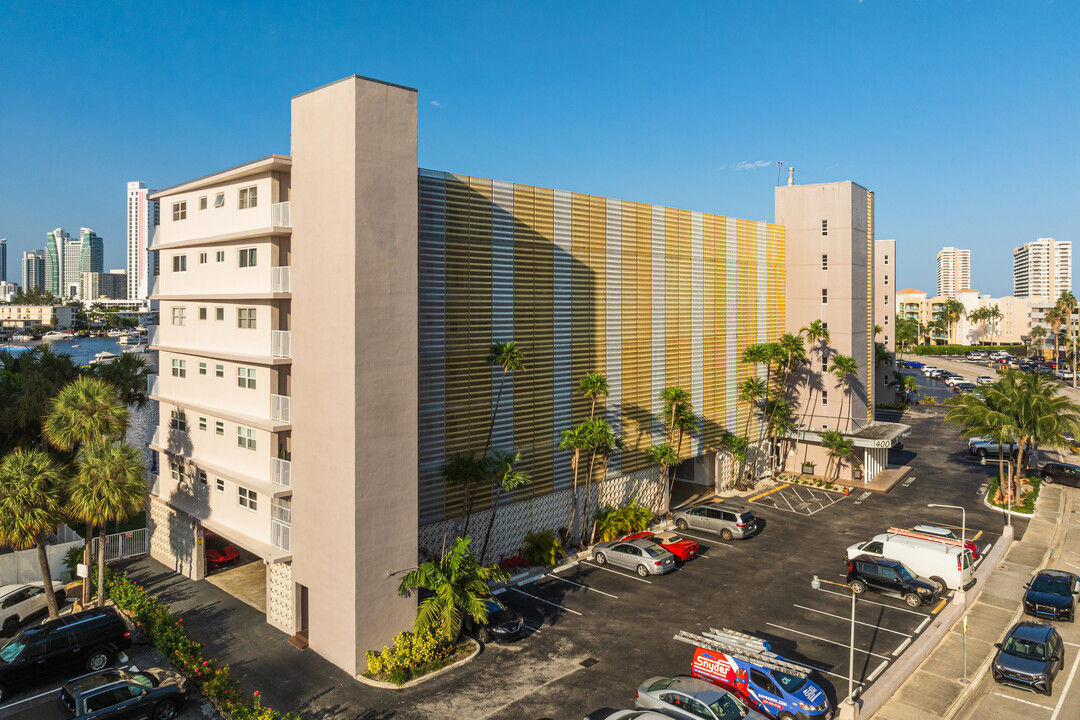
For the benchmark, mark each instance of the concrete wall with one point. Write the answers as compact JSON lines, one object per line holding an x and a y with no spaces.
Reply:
{"x":280,"y":610}
{"x":884,"y":315}
{"x":208,"y":275}
{"x":172,"y":540}
{"x":222,"y":336}
{"x":218,"y":220}
{"x":354,"y":212}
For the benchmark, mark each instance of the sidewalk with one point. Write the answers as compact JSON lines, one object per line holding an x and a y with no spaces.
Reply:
{"x":935,"y":689}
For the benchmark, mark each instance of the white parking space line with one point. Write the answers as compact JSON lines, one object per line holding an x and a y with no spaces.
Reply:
{"x":711,"y":541}
{"x":632,"y":577}
{"x":535,"y":597}
{"x":1071,"y":565}
{"x":857,"y":622}
{"x":1065,"y":692}
{"x":826,"y":640}
{"x":872,"y":602}
{"x":900,"y":649}
{"x":877,"y":671}
{"x":1026,"y":702}
{"x":32,"y":697}
{"x":579,"y":585}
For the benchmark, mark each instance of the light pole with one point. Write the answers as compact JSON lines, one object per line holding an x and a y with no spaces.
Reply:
{"x":963,"y":544}
{"x":816,"y":584}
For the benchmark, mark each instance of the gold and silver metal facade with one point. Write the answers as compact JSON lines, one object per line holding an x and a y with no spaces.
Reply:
{"x":649,"y":296}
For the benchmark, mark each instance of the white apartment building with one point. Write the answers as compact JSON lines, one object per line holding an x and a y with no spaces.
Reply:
{"x":1042,"y":268}
{"x":142,"y":217}
{"x":953,"y":271}
{"x":31,"y":316}
{"x":223,"y":445}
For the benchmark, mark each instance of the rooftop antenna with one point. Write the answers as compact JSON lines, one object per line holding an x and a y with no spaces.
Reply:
{"x":791,"y":176}
{"x":778,"y":166}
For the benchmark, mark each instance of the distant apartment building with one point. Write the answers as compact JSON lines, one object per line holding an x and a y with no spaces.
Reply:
{"x":31,"y":316}
{"x":33,"y":270}
{"x":142,"y":218}
{"x":7,"y":291}
{"x":953,"y":271}
{"x":3,"y":260}
{"x":104,"y":286}
{"x":1042,"y":268}
{"x":1018,"y":316}
{"x":66,"y":259}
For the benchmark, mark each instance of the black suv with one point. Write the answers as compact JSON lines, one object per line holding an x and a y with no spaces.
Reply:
{"x":891,"y":577}
{"x":1061,"y":473}
{"x":1029,"y":657}
{"x":90,"y":638}
{"x":503,"y":623}
{"x":155,"y":693}
{"x":1052,"y":594}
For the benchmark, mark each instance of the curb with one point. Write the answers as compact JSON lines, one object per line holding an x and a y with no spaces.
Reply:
{"x":423,"y":678}
{"x":1015,"y":513}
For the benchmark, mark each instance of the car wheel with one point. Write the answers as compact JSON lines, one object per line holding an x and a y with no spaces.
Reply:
{"x":1048,"y":479}
{"x":912,"y":600}
{"x":601,"y":558}
{"x":166,"y":710}
{"x":939,"y":582}
{"x":3,"y":693}
{"x":642,"y":571}
{"x":681,"y":524}
{"x":484,"y":635}
{"x":981,"y":452}
{"x":98,"y":660}
{"x":11,"y":625}
{"x":858,"y":587}
{"x":785,"y":716}
{"x":726,"y":534}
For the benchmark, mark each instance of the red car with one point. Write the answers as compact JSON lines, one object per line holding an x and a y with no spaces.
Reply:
{"x":681,"y":548}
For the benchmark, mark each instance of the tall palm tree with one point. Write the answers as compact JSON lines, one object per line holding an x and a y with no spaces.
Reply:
{"x":593,"y":386}
{"x":1067,"y":303}
{"x":844,"y":368}
{"x":1038,"y":335}
{"x":838,"y":448}
{"x":1055,"y":317}
{"x":576,"y":440}
{"x":751,"y":391}
{"x":994,"y":314}
{"x":978,"y":317}
{"x":986,"y":416}
{"x":31,"y":506}
{"x":29,"y":381}
{"x":457,"y":584}
{"x":952,"y":312}
{"x":507,"y":479}
{"x":466,"y":470}
{"x":602,"y":444}
{"x":509,"y":357}
{"x":678,"y":418}
{"x":109,"y":486}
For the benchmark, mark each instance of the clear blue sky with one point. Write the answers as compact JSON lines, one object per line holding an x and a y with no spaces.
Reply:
{"x":962,"y":117}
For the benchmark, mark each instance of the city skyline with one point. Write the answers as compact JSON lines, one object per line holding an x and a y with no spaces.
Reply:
{"x":654,"y":124}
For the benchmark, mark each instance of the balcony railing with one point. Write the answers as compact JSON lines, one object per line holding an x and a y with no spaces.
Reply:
{"x":281,"y":343}
{"x":281,"y":214}
{"x":153,"y":286}
{"x":281,"y":523}
{"x":152,"y":335}
{"x":281,"y":408}
{"x":280,"y":472}
{"x":152,"y":385}
{"x":153,"y":483}
{"x":281,"y":279}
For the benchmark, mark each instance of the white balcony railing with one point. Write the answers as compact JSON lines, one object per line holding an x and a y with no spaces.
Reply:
{"x":152,"y":385}
{"x":281,"y":279}
{"x":281,"y":343}
{"x":281,"y":214}
{"x":155,"y":439}
{"x":280,"y":472}
{"x":152,"y":335}
{"x":153,"y":286}
{"x":281,"y":408}
{"x":153,"y":483}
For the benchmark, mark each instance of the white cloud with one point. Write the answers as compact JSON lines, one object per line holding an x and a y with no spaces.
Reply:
{"x":436,"y":103}
{"x":751,"y":165}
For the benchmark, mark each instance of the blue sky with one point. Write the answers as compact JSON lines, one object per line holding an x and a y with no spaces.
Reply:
{"x":962,"y":117}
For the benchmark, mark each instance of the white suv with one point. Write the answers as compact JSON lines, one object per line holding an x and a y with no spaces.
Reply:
{"x":18,"y":602}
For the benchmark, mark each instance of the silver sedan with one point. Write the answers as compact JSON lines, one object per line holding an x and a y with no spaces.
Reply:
{"x":641,"y":556}
{"x":692,"y":699}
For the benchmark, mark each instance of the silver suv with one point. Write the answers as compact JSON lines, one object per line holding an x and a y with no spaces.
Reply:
{"x":728,"y":520}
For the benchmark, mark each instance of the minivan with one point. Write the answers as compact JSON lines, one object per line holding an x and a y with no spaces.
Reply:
{"x":927,"y":558}
{"x":91,"y":638}
{"x":728,"y":520}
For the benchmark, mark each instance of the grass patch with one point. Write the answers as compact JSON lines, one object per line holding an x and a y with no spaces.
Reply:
{"x":1026,"y":504}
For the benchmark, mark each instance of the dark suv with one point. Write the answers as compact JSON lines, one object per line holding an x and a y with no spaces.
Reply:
{"x":90,"y":638}
{"x":891,"y":577}
{"x":155,"y":693}
{"x":1029,"y":657}
{"x":1061,"y":473}
{"x":1052,"y":594}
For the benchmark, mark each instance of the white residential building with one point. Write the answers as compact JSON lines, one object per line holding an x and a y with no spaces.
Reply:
{"x":1042,"y":268}
{"x":142,"y":218}
{"x":953,"y":271}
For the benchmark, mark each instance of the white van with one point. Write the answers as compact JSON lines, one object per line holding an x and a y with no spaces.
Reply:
{"x":927,"y":558}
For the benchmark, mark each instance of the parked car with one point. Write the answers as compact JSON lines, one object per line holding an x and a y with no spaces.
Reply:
{"x":928,"y":558}
{"x":18,"y":602}
{"x":155,"y":693}
{"x":691,"y":699}
{"x":728,"y":520}
{"x":984,"y":380}
{"x":976,"y":355}
{"x":1029,"y":657}
{"x":933,"y":532}
{"x":91,"y":638}
{"x":927,"y":369}
{"x":914,"y":364}
{"x":951,"y":380}
{"x":680,"y":547}
{"x":963,"y":387}
{"x":1060,"y":473}
{"x":890,"y":577}
{"x":1052,"y":594}
{"x":641,"y":556}
{"x":985,"y":447}
{"x":635,"y":715}
{"x":503,"y":624}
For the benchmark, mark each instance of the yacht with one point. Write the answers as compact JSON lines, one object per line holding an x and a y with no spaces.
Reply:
{"x":129,"y":340}
{"x":54,"y":335}
{"x":113,"y":333}
{"x":103,"y":357}
{"x":23,"y":337}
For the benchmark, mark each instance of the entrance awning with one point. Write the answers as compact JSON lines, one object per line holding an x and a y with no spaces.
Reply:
{"x":872,"y":435}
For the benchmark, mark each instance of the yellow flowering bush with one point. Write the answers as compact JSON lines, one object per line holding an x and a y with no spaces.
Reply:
{"x":408,"y":652}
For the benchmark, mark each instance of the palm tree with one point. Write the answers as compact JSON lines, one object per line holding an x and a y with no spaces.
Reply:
{"x":1055,"y":317}
{"x":905,"y":385}
{"x":1067,"y":303}
{"x":993,"y":313}
{"x":593,"y":386}
{"x":31,"y":506}
{"x":1038,"y":335}
{"x":465,"y":469}
{"x":507,"y":479}
{"x":575,"y":439}
{"x":794,"y":354}
{"x":838,"y":448}
{"x":602,"y":444}
{"x":986,"y":417}
{"x":457,"y":584}
{"x":128,"y":374}
{"x":952,"y":311}
{"x":736,"y":446}
{"x":818,"y":337}
{"x":751,"y":391}
{"x":509,"y":357}
{"x":908,"y":332}
{"x":28,"y":383}
{"x":844,"y":368}
{"x":665,"y":456}
{"x":108,"y":487}
{"x":678,"y":417}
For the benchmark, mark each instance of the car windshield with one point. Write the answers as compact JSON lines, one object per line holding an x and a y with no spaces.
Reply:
{"x":13,"y":649}
{"x":493,"y":606}
{"x":1029,"y":650}
{"x":791,"y":683}
{"x":905,"y":574}
{"x":1051,"y":585}
{"x":729,"y":707}
{"x":655,"y":551}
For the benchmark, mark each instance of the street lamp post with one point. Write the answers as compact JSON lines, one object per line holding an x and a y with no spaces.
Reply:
{"x":816,"y":584}
{"x":963,"y":544}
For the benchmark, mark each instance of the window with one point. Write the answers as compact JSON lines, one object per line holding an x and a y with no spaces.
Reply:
{"x":202,"y":368}
{"x":824,"y":365}
{"x":178,"y":421}
{"x":886,"y":259}
{"x":247,"y":498}
{"x":219,"y":427}
{"x":824,"y":262}
{"x":202,"y":423}
{"x":886,"y":321}
{"x":179,"y":211}
{"x":202,"y":203}
{"x":179,"y":263}
{"x":176,"y":471}
{"x":219,"y":371}
{"x":824,"y":227}
{"x":179,"y":368}
{"x":245,"y":318}
{"x":202,"y":313}
{"x":179,"y":315}
{"x":886,"y":303}
{"x":248,"y":198}
{"x":825,"y":326}
{"x":824,"y":398}
{"x":824,"y":296}
{"x":219,"y":256}
{"x":886,"y":279}
{"x":219,"y":200}
{"x":202,"y":258}
{"x":245,"y":378}
{"x":247,"y":257}
{"x":220,"y":485}
{"x":219,"y":313}
{"x":245,"y":437}
{"x":202,"y":477}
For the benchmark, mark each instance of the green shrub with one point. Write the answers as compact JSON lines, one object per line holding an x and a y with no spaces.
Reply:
{"x":542,"y":548}
{"x":935,"y":350}
{"x":613,"y":523}
{"x":408,"y":652}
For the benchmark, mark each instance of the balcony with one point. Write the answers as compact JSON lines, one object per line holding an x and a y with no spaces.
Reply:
{"x":281,"y":408}
{"x":154,"y":285}
{"x":280,"y":472}
{"x":281,"y":523}
{"x":152,"y":335}
{"x":281,"y":279}
{"x":152,"y":385}
{"x":281,"y":343}
{"x":281,"y":214}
